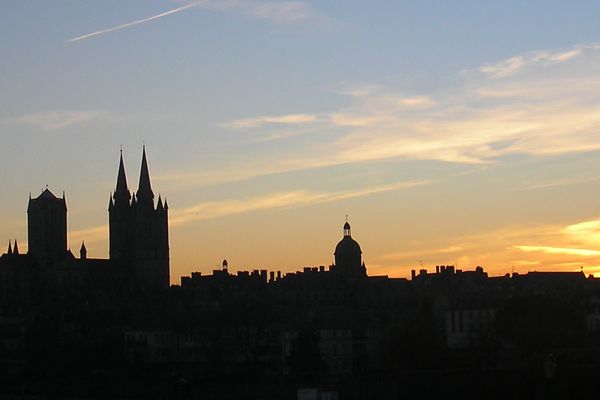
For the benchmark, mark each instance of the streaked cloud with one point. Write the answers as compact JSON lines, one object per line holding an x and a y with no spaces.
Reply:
{"x":451,"y":249}
{"x":510,"y":248}
{"x":281,"y":12}
{"x":230,"y":174}
{"x":556,"y":183}
{"x":512,"y":65}
{"x":276,"y":12}
{"x":57,"y":120}
{"x":551,"y":107}
{"x":585,"y":232}
{"x":296,"y":198}
{"x":552,"y":111}
{"x":416,"y":102}
{"x":89,"y":235}
{"x":559,"y":250}
{"x":290,"y":119}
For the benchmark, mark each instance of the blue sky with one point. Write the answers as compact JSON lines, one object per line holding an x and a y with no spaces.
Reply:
{"x":451,"y":132}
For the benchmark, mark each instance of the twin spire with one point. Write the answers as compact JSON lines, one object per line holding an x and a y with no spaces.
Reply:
{"x":13,"y":249}
{"x":144,"y":194}
{"x":122,"y":191}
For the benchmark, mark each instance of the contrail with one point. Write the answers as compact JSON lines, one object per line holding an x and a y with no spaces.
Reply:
{"x":137,"y":22}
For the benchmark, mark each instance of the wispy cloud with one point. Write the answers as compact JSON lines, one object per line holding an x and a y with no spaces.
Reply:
{"x":281,"y":12}
{"x":136,"y":22}
{"x":297,"y":198}
{"x":559,"y":250}
{"x":56,"y":120}
{"x":89,"y":235}
{"x":256,"y":122}
{"x":585,"y":232}
{"x":512,"y":65}
{"x":556,"y":183}
{"x":511,"y":248}
{"x":552,"y":109}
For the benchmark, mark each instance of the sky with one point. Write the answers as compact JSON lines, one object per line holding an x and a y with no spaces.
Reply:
{"x":462,"y":133}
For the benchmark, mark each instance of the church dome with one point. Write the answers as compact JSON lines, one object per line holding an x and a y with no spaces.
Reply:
{"x":348,"y":255}
{"x":347,"y":247}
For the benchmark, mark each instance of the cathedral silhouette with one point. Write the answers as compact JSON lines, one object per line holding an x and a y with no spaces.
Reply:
{"x":138,"y":237}
{"x":139,"y":230}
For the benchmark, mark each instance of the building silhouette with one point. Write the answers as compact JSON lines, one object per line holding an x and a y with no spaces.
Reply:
{"x":47,"y":227}
{"x":68,"y":321}
{"x":50,"y":272}
{"x":348,"y":256}
{"x":139,"y":230}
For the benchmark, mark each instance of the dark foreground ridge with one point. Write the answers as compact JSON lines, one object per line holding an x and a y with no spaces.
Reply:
{"x":78,"y":327}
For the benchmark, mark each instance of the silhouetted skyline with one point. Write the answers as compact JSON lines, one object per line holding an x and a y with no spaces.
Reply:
{"x":214,"y":199}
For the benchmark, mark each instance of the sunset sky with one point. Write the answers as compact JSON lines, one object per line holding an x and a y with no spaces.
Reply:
{"x":450,"y":132}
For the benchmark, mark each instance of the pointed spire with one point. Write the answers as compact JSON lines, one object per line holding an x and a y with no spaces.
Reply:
{"x":16,"y":247}
{"x":10,"y":251}
{"x":159,"y":205}
{"x":166,"y":204}
{"x":144,"y":192}
{"x":110,"y":202}
{"x":122,"y":193}
{"x":64,"y":199}
{"x":83,"y":251}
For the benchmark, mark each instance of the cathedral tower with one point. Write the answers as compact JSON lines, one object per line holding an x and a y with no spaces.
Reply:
{"x":139,"y":231}
{"x":119,"y":211}
{"x":47,"y":227}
